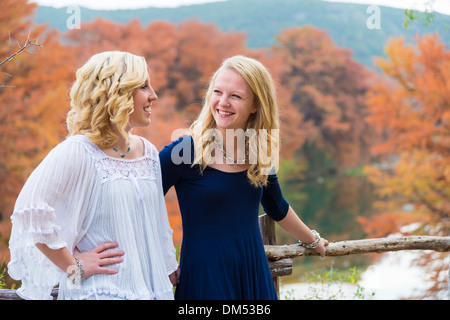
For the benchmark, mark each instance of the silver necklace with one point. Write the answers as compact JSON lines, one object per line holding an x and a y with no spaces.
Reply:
{"x":229,"y":159}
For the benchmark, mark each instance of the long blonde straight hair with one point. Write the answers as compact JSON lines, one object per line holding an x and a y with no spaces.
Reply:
{"x":263,"y":139}
{"x":103,"y":95}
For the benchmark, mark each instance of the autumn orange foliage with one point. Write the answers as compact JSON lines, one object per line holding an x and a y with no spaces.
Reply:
{"x":33,"y":103}
{"x":413,"y":113}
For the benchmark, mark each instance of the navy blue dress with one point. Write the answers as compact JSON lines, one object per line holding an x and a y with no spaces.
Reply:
{"x":222,"y":253}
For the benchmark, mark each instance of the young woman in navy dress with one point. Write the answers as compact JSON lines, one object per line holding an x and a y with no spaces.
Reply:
{"x":222,"y":171}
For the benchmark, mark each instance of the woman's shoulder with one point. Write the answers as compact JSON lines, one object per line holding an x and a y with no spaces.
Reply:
{"x":150,"y":149}
{"x":81,"y":147}
{"x":82,"y":144}
{"x":179,"y":151}
{"x":183,"y":145}
{"x":69,"y":153}
{"x":73,"y":143}
{"x":187,"y":139}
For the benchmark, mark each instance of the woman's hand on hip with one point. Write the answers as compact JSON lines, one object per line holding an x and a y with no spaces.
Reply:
{"x":96,"y":260}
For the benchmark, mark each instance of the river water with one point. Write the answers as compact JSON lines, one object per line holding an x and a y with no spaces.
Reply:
{"x":393,"y":277}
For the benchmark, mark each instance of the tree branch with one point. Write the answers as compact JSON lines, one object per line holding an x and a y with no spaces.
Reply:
{"x":28,"y":43}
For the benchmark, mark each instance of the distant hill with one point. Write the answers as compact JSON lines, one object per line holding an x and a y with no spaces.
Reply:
{"x":262,"y":20}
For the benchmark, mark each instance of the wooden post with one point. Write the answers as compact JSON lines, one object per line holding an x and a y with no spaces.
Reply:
{"x":278,"y":268}
{"x":267,"y":227}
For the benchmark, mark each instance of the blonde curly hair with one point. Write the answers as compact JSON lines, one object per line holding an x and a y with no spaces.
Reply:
{"x":103,"y":95}
{"x":263,"y":137}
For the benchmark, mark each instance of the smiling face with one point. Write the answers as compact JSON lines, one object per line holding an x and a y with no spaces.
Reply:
{"x":143,"y":98}
{"x":232,"y":101}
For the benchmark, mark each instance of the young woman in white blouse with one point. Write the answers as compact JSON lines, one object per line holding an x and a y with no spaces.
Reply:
{"x":92,"y":216}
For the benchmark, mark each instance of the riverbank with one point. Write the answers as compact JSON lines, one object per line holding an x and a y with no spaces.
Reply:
{"x":393,"y":277}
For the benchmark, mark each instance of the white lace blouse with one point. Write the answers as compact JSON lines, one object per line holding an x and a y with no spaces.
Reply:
{"x":80,"y":197}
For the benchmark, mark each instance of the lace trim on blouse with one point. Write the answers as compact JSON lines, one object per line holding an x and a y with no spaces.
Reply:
{"x":110,"y":168}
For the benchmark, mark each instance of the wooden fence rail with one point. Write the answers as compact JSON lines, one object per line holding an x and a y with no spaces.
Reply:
{"x":280,"y":256}
{"x":343,"y":248}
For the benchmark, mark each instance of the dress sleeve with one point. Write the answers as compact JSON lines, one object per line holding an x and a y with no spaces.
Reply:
{"x":173,"y":157}
{"x":49,"y":210}
{"x":273,"y":201}
{"x":166,"y":239}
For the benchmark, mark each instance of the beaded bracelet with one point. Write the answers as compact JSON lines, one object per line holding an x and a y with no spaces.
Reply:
{"x":76,"y":276}
{"x":314,"y":244}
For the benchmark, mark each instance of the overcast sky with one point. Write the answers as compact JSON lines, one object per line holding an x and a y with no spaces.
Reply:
{"x":120,"y":4}
{"x":442,"y":6}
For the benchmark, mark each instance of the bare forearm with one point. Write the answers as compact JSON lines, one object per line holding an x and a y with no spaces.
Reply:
{"x":60,"y":257}
{"x":295,"y":226}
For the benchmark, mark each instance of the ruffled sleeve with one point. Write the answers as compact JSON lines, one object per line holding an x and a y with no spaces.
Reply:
{"x":49,"y":209}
